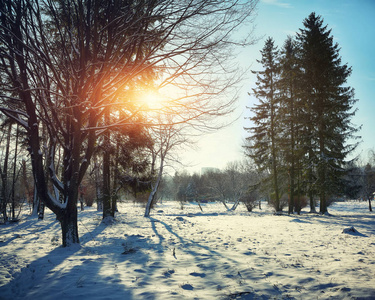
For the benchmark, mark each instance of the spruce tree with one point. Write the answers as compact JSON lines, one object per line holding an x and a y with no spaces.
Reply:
{"x":263,"y":142}
{"x":290,"y":108}
{"x":328,"y":106}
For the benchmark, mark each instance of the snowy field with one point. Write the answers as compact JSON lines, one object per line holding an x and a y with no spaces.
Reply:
{"x":186,"y":254}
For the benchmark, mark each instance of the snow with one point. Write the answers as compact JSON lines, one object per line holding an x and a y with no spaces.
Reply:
{"x":186,"y":254}
{"x":57,"y":202}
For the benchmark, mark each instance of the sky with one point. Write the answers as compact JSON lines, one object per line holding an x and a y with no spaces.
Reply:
{"x":353,"y":28}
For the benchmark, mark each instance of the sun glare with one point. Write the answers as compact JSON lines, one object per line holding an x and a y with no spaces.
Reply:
{"x":152,"y":101}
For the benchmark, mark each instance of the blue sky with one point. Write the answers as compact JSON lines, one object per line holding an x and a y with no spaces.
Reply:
{"x":353,"y":28}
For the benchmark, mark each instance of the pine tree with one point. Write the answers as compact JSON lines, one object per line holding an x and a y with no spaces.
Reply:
{"x":265,"y":133}
{"x":328,"y":106}
{"x":290,"y":107}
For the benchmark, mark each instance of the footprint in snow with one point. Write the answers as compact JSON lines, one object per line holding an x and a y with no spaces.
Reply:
{"x":196,"y":274}
{"x":248,"y":253}
{"x":268,"y":274}
{"x":139,"y":271}
{"x":168,"y":273}
{"x":187,"y":287}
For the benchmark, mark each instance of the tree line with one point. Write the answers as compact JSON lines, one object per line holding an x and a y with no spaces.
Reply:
{"x":241,"y":182}
{"x":237,"y":183}
{"x":302,"y":121}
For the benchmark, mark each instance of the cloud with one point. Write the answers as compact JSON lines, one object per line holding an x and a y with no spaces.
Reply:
{"x":277,"y":3}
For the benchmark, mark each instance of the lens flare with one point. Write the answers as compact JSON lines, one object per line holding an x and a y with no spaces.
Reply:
{"x":151,"y":101}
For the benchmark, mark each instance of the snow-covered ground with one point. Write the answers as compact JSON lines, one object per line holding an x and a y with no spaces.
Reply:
{"x":186,"y":254}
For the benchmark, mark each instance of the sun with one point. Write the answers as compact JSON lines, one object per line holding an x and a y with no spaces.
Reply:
{"x":152,"y":100}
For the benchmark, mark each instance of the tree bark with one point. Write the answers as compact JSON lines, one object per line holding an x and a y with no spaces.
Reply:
{"x":199,"y":204}
{"x":40,"y":208}
{"x":226,"y":206}
{"x":107,"y":210}
{"x":69,"y":227}
{"x":106,"y":195}
{"x":4,"y":177}
{"x":14,"y":176}
{"x":151,"y":197}
{"x":34,"y":213}
{"x":234,"y":207}
{"x":151,"y":200}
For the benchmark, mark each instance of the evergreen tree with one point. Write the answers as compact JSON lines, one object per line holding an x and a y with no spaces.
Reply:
{"x":265,"y":133}
{"x":328,"y":106}
{"x":290,"y":120}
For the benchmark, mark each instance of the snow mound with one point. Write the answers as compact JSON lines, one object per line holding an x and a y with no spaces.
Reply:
{"x":350,"y":230}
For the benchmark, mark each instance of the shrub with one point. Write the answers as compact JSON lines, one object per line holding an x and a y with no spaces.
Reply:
{"x":283,"y":201}
{"x":300,"y":202}
{"x":250,"y":200}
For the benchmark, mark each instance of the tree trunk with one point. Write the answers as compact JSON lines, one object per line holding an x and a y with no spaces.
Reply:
{"x":98,"y":191}
{"x":69,"y":227}
{"x":81,"y":202}
{"x":226,"y":206}
{"x":310,"y":191}
{"x":291,"y":190}
{"x":323,"y":204}
{"x":115,"y":181}
{"x":235,"y":205}
{"x":34,"y":213}
{"x":273,"y":148}
{"x":41,"y":207}
{"x":14,"y":177}
{"x":68,"y":216}
{"x":293,"y":158}
{"x":276,"y":187}
{"x":323,"y":195}
{"x":25,"y":182}
{"x":275,"y":175}
{"x":106,"y":196}
{"x":199,"y":204}
{"x":150,"y":201}
{"x":151,"y":197}
{"x":312,"y":203}
{"x":106,"y":193}
{"x":4,"y":177}
{"x":298,"y":186}
{"x":369,"y":204}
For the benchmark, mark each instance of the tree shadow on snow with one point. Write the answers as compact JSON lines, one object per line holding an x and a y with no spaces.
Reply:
{"x":362,"y":221}
{"x":47,"y":277}
{"x":28,"y":226}
{"x":213,"y":268}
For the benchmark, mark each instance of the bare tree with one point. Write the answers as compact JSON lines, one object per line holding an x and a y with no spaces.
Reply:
{"x":166,"y":139}
{"x":218,"y":186}
{"x":68,"y":64}
{"x":241,"y":180}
